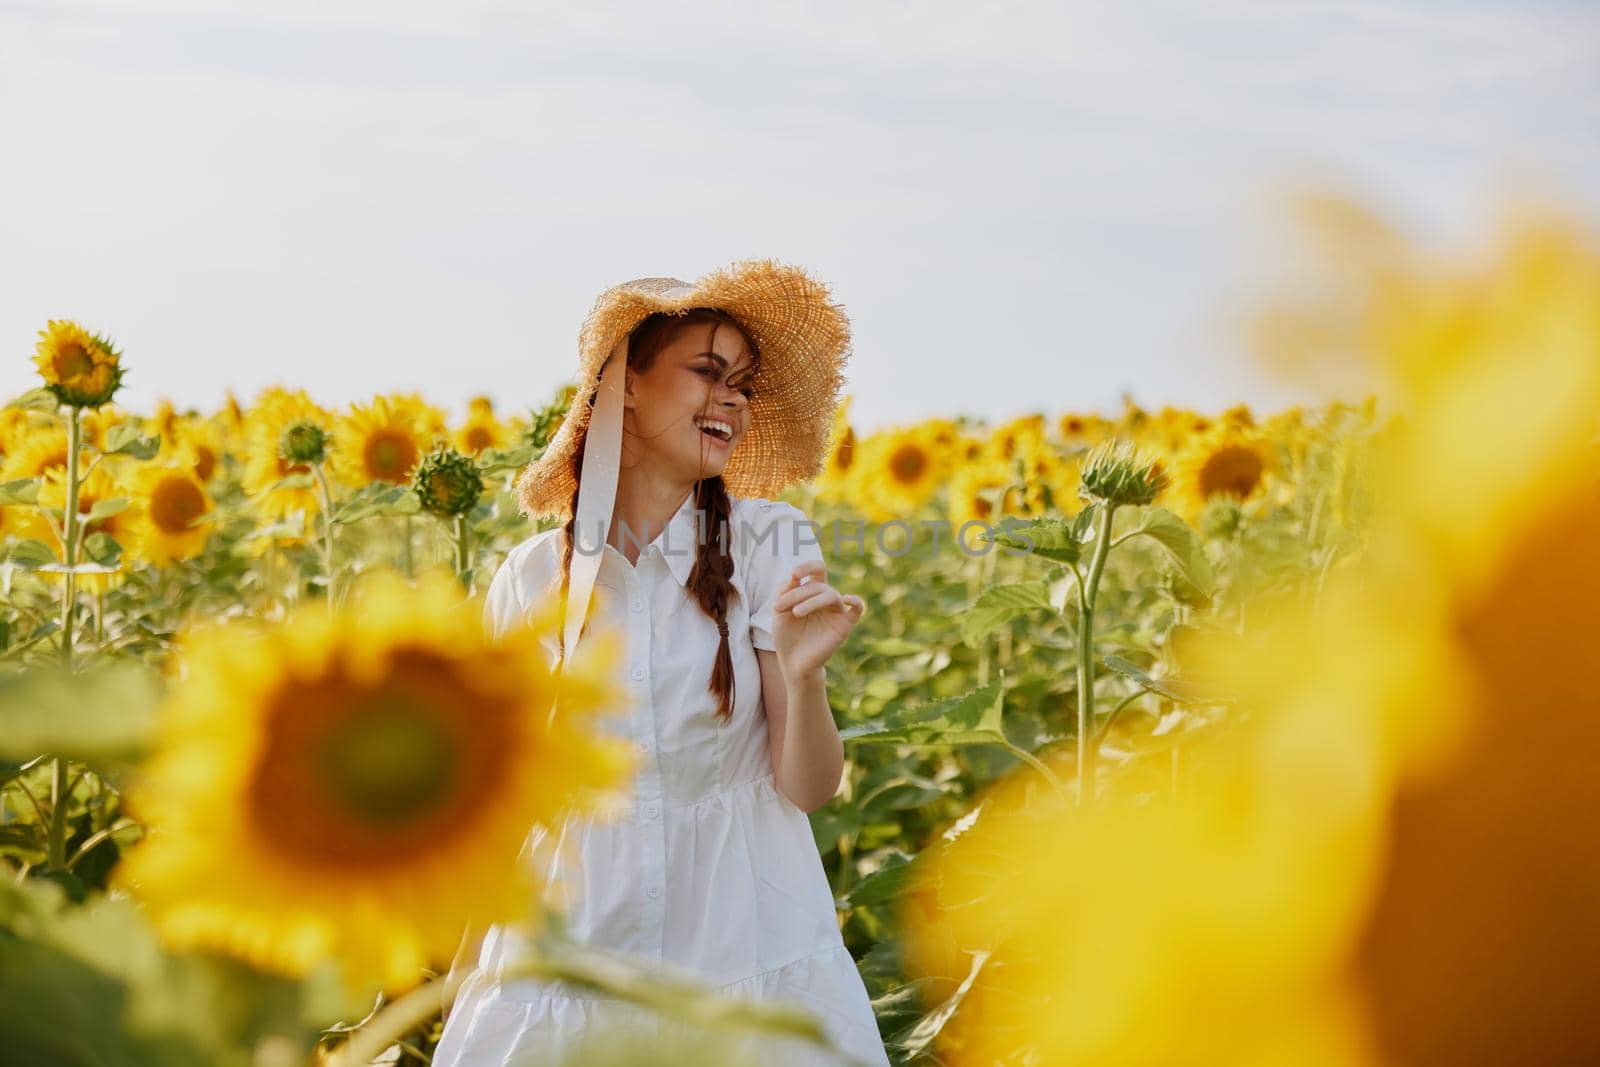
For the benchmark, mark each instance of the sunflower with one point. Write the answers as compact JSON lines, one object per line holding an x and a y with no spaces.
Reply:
{"x":275,"y":412}
{"x":171,"y":511}
{"x":383,"y":441}
{"x":200,"y":438}
{"x":105,"y":482}
{"x":35,"y":448}
{"x":1230,"y":461}
{"x":901,"y":469}
{"x":482,"y":430}
{"x":1080,"y":431}
{"x":1010,"y":439}
{"x":16,"y":424}
{"x":97,"y":424}
{"x":971,"y":500}
{"x":833,"y":484}
{"x":82,"y":369}
{"x":356,"y":787}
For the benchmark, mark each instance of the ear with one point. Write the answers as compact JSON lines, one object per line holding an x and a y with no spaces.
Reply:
{"x":627,"y":392}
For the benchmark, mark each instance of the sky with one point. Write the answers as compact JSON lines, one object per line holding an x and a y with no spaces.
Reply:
{"x":1025,"y":206}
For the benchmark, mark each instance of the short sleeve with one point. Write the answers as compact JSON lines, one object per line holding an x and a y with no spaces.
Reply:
{"x":502,"y":607}
{"x":778,"y":538}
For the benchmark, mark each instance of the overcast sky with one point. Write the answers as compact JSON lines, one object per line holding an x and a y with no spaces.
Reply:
{"x":1023,"y":206}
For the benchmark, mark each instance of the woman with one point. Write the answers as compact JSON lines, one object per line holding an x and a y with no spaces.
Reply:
{"x":695,"y":404}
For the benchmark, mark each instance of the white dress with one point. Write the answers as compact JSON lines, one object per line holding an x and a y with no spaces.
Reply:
{"x":713,"y":874}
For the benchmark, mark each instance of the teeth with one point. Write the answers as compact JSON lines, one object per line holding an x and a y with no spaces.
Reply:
{"x":721,"y":429}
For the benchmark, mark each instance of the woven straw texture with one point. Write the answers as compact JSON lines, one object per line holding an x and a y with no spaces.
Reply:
{"x":804,"y":343}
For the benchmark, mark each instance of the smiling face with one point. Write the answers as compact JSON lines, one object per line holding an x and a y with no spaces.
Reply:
{"x":702,"y":376}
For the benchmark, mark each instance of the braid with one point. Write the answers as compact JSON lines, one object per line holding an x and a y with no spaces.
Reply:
{"x":711,"y":582}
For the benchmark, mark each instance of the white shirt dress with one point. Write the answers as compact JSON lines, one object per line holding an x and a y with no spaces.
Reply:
{"x":713,"y":874}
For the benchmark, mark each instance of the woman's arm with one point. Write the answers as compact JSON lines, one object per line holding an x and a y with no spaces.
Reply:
{"x":808,"y":739}
{"x":810,"y":619}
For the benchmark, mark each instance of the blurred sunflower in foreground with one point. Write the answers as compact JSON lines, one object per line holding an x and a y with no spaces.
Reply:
{"x":1392,"y":856}
{"x":356,"y":788}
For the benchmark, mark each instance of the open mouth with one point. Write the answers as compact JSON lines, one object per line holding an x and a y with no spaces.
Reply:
{"x":719,"y":432}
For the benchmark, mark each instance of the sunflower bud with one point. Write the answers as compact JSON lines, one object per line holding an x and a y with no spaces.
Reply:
{"x":548,"y":418}
{"x":80,"y":368}
{"x":303,"y":442}
{"x":447,"y":483}
{"x":1114,"y":472}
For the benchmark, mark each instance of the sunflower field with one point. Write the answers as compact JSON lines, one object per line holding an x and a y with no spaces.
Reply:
{"x":1172,"y":737}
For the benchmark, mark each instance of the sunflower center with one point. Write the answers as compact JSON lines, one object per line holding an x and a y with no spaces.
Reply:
{"x":477,"y":439}
{"x":390,"y":455}
{"x":907,"y":464}
{"x":388,"y":760}
{"x":205,"y":462}
{"x":847,"y":450}
{"x":175,"y":504}
{"x":73,"y":361}
{"x":1234,"y":470}
{"x":360,"y":775}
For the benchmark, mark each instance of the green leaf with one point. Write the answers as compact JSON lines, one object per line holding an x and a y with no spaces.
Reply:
{"x":1140,"y":678}
{"x":1183,"y":545}
{"x":1180,"y":690}
{"x":881,"y":886}
{"x":1049,"y":539}
{"x":104,"y":509}
{"x":894,"y":647}
{"x":973,"y":719}
{"x":301,"y":480}
{"x":126,"y":438}
{"x":101,"y":547}
{"x":498,"y":460}
{"x":999,"y":605}
{"x":79,"y":568}
{"x":919,"y":1037}
{"x":828,"y":826}
{"x":30,"y":554}
{"x":103,"y":716}
{"x":82,"y":986}
{"x":40,"y":399}
{"x":21,"y":491}
{"x":377,"y":498}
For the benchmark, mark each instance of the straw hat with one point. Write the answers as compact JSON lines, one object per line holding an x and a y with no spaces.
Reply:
{"x":804,"y":343}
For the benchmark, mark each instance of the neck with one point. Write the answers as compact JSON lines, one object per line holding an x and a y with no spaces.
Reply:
{"x":644,"y":505}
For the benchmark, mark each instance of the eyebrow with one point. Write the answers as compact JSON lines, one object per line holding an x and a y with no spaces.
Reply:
{"x":720,"y":361}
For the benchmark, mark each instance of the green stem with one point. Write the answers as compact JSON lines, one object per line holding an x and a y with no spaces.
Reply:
{"x":1105,"y":727}
{"x":56,"y":841}
{"x":463,"y":541}
{"x":1033,"y":761}
{"x":1091,"y":589}
{"x":327,"y":529}
{"x":405,"y":559}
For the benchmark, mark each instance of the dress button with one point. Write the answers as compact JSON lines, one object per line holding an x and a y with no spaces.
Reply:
{"x":638,"y":605}
{"x":638,"y":673}
{"x":652,"y":810}
{"x":643,"y":747}
{"x":652,"y":891}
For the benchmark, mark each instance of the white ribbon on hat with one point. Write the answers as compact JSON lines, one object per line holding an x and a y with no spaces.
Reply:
{"x":597,"y":483}
{"x":597,"y":490}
